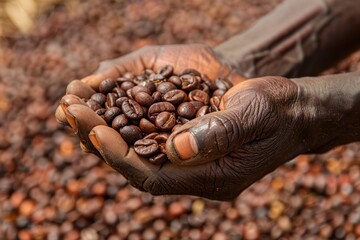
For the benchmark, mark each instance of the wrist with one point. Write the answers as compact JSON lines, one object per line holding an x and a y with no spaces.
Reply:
{"x":329,"y":107}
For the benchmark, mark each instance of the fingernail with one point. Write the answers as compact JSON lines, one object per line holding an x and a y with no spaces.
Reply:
{"x":71,"y":120}
{"x":93,"y":139}
{"x":185,"y":145}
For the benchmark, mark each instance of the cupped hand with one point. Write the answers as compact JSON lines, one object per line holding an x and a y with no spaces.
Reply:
{"x":216,"y":156}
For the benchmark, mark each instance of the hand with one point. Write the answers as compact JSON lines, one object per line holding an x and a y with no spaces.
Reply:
{"x":256,"y":131}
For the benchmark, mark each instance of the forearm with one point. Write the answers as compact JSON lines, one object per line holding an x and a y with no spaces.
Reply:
{"x":298,"y":38}
{"x":330,"y":106}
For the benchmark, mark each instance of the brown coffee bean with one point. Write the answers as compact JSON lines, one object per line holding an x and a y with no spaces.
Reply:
{"x":151,"y":135}
{"x":132,"y":109}
{"x":94,"y":105}
{"x":165,"y":121}
{"x":137,"y":89}
{"x":182,"y":120}
{"x":140,"y":78}
{"x":165,"y":87}
{"x":146,"y":126}
{"x":175,"y":80}
{"x":119,"y":122}
{"x":99,"y":97}
{"x":119,"y":92}
{"x":129,"y":75}
{"x":215,"y":100}
{"x":200,"y":96}
{"x":126,"y":85}
{"x":190,"y":71}
{"x":218,"y":92}
{"x":223,"y":84}
{"x":158,"y":159}
{"x":175,"y":97}
{"x":111,"y":100}
{"x":149,"y":85}
{"x":204,"y":87}
{"x":129,"y":94}
{"x":111,"y":113}
{"x":157,"y":78}
{"x":186,"y":110}
{"x":156,"y":96}
{"x":208,"y":82}
{"x":148,"y":72}
{"x":159,"y":107}
{"x":130,"y":133}
{"x":120,"y":101}
{"x":162,"y":138}
{"x":100,"y":111}
{"x":202,"y":111}
{"x":144,"y":99}
{"x":188,"y":82}
{"x":107,"y":86}
{"x":166,"y":70}
{"x":146,"y":147}
{"x":162,"y":147}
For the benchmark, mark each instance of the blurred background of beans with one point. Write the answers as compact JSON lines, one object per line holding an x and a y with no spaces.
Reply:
{"x":49,"y":189}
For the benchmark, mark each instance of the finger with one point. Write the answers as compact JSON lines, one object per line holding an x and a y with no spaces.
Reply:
{"x":205,"y":139}
{"x":66,"y":101}
{"x":82,"y":119}
{"x":118,"y":155}
{"x":79,"y":89}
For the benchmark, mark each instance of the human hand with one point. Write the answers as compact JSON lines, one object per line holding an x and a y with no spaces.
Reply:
{"x":256,"y":131}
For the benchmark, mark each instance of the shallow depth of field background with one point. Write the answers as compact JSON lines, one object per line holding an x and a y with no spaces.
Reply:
{"x":49,"y":189}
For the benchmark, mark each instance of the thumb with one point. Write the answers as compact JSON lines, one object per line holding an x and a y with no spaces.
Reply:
{"x":207,"y":138}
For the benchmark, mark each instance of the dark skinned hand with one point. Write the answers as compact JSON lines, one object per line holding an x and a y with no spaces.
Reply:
{"x":216,"y":156}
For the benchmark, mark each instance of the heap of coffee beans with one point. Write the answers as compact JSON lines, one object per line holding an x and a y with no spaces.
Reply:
{"x":146,"y":108}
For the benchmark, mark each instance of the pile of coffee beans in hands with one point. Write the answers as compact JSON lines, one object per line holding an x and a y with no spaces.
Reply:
{"x":145,"y":109}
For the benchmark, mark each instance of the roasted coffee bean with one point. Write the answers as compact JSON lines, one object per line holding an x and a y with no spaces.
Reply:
{"x":186,"y":110}
{"x":159,"y":107}
{"x":120,"y":100}
{"x":188,"y":82}
{"x":100,"y":111}
{"x":146,"y":147}
{"x":127,"y":85}
{"x":204,"y":87}
{"x":151,"y":135}
{"x":149,"y":85}
{"x":146,"y":126}
{"x":144,"y":99}
{"x":148,"y":72}
{"x":175,"y":97}
{"x":94,"y":105}
{"x":165,"y":121}
{"x":119,"y":92}
{"x":162,"y":138}
{"x":190,"y":71}
{"x":219,"y":92}
{"x":158,"y":159}
{"x":197,"y":105}
{"x":182,"y":120}
{"x":165,"y":87}
{"x":99,"y":98}
{"x":223,"y":84}
{"x":130,"y":133}
{"x":137,"y":89}
{"x":156,"y":78}
{"x":156,"y":96}
{"x":202,"y":111}
{"x":166,"y":70}
{"x":106,"y":86}
{"x":208,"y":82}
{"x":111,"y":113}
{"x":215,"y":100}
{"x":129,"y":75}
{"x":119,"y":122}
{"x":132,"y":109}
{"x":120,"y":80}
{"x":140,"y":78}
{"x":200,"y":96}
{"x":129,"y":94}
{"x":175,"y":80}
{"x":162,"y":147}
{"x":111,"y":100}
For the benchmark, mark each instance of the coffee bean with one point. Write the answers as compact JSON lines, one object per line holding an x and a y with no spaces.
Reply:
{"x":129,"y":75}
{"x":188,"y":82}
{"x":200,"y":96}
{"x":132,"y":109}
{"x":149,"y":85}
{"x":215,"y":100}
{"x":120,"y":101}
{"x":197,"y":105}
{"x":126,"y":85}
{"x":156,"y":96}
{"x":129,"y":93}
{"x":146,"y":126}
{"x":204,"y":87}
{"x":186,"y":110}
{"x":175,"y":80}
{"x":130,"y":133}
{"x":119,"y":92}
{"x":165,"y":87}
{"x":223,"y":84}
{"x":144,"y":99}
{"x":202,"y":111}
{"x":151,"y":135}
{"x":137,"y":89}
{"x":162,"y":138}
{"x":175,"y":97}
{"x":110,"y":100}
{"x":166,"y":71}
{"x":101,"y":111}
{"x":99,"y":98}
{"x":146,"y":147}
{"x":208,"y":82}
{"x":111,"y":113}
{"x":156,"y":78}
{"x":182,"y":120}
{"x":119,"y":122}
{"x":94,"y":105}
{"x":219,"y":92}
{"x":190,"y":71}
{"x":106,"y":86}
{"x":148,"y":72}
{"x":158,"y":159}
{"x":159,"y":107}
{"x":165,"y":121}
